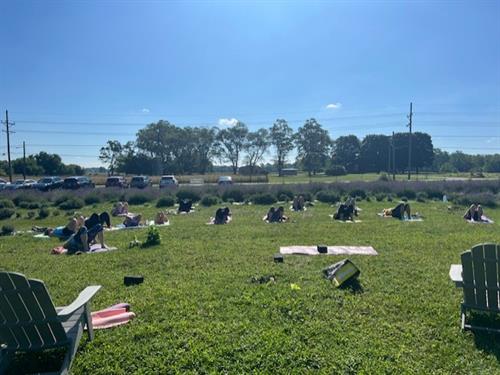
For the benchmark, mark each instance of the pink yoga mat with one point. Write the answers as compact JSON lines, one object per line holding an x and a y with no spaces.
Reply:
{"x":112,"y":316}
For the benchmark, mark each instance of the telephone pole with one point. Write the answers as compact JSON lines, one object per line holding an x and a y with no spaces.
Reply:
{"x":8,"y":131}
{"x":24,"y":160}
{"x":393,"y":158}
{"x":409,"y":140}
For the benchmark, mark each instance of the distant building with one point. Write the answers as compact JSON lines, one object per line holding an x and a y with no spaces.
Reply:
{"x":289,"y":172}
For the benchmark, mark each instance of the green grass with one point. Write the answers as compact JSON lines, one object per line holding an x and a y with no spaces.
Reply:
{"x":198,"y":312}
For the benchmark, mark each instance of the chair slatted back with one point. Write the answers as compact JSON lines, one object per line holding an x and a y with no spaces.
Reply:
{"x":28,"y":318}
{"x":481,"y":277}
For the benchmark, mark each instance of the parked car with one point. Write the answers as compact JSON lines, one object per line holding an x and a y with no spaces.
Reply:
{"x":48,"y":183}
{"x":168,"y":181}
{"x":225,"y":180}
{"x":116,"y":181}
{"x":140,"y":182}
{"x":20,"y":184}
{"x":77,"y":182}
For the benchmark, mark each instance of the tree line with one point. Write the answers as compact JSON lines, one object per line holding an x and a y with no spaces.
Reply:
{"x":41,"y":164}
{"x":163,"y":147}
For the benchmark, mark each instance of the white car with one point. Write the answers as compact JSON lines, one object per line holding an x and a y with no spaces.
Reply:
{"x":168,"y":181}
{"x":225,"y":180}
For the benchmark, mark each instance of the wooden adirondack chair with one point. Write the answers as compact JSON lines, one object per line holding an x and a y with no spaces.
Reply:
{"x":30,"y":322}
{"x":479,"y":276}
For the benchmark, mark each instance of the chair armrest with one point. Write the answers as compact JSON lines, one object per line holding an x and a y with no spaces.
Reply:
{"x":456,"y":275}
{"x":83,"y":298}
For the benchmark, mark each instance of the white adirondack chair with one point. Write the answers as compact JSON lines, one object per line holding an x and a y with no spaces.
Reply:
{"x":30,"y":322}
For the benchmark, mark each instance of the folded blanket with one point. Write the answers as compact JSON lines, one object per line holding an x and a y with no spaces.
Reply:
{"x":112,"y":316}
{"x":346,"y":221}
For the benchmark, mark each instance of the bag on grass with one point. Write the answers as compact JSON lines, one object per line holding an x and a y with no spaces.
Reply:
{"x":341,"y":272}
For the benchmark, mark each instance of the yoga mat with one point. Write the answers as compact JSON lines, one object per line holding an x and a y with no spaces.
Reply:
{"x":413,"y":218}
{"x":112,"y":316}
{"x":149,"y":224}
{"x":95,"y":248}
{"x":40,"y":235}
{"x":484,"y":220}
{"x":346,"y":221}
{"x":332,"y":250}
{"x":211,"y":222}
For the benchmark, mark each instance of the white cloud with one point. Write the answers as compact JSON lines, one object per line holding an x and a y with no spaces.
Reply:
{"x":227,"y":121}
{"x":145,"y":110}
{"x":334,"y":105}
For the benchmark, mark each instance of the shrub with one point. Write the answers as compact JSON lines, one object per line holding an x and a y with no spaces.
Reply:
{"x":29,"y":205}
{"x":166,"y":201}
{"x":23,"y":198}
{"x":355,"y":193}
{"x":6,"y":203}
{"x":71,"y":204}
{"x":327,"y":196}
{"x":43,"y":213}
{"x":336,"y":170}
{"x":484,"y":199}
{"x":7,"y":230}
{"x":307,"y":196}
{"x":263,"y":198}
{"x":389,"y":198}
{"x":6,"y":213}
{"x":383,"y":177}
{"x":434,"y":194}
{"x":379,"y":197}
{"x":61,"y":199}
{"x":209,"y":200}
{"x":404,"y":199}
{"x":56,"y":213}
{"x":234,"y":195}
{"x":92,"y":199}
{"x":421,"y":196}
{"x":138,"y":199}
{"x":153,"y":237}
{"x":188,"y":194}
{"x":284,"y":195}
{"x":410,"y":194}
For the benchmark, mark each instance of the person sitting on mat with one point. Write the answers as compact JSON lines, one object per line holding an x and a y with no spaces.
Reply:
{"x":185,"y":205}
{"x":222,"y":215}
{"x":298,"y":203}
{"x":83,"y":238}
{"x":401,"y":211}
{"x":132,"y":220}
{"x":278,"y":216}
{"x":161,"y":218}
{"x":346,"y":211}
{"x":270,"y":214}
{"x":474,"y":213}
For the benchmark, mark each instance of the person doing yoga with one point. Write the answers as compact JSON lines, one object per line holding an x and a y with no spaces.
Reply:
{"x":185,"y":205}
{"x":222,"y":216}
{"x":83,"y":238}
{"x":279,"y":215}
{"x":401,"y":211}
{"x":346,"y":211}
{"x":298,"y":203}
{"x":474,"y":213}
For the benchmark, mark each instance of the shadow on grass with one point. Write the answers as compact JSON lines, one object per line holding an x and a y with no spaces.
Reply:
{"x":353,"y":286}
{"x":488,"y":342}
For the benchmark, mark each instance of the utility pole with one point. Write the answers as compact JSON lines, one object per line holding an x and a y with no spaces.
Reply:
{"x":393,"y":158}
{"x":409,"y":140}
{"x":24,"y":160}
{"x":7,"y":123}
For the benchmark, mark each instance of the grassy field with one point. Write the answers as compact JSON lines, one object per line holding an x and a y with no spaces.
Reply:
{"x":199,"y":312}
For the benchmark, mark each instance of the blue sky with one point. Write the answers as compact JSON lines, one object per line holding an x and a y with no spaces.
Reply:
{"x":74,"y":74}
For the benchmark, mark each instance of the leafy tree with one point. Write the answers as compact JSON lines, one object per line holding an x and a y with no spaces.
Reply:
{"x":281,"y":136}
{"x":374,"y":153}
{"x":256,"y":147}
{"x":493,"y":163}
{"x":313,"y":146}
{"x":51,"y":163}
{"x":230,"y":144}
{"x":346,"y":152}
{"x":32,"y":167}
{"x":110,"y":155}
{"x":461,"y":162}
{"x":422,"y":151}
